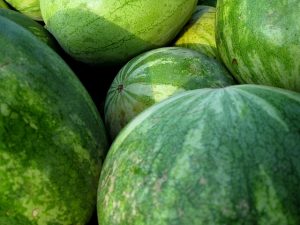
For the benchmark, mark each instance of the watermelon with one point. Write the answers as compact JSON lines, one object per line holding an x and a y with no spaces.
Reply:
{"x":207,"y":156}
{"x":156,"y":75}
{"x":3,"y":4}
{"x":30,"y":8}
{"x":52,"y":139}
{"x":37,"y":29}
{"x":199,"y":33}
{"x":111,"y":32}
{"x":259,"y":41}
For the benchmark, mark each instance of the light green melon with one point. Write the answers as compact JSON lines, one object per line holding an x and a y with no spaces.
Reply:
{"x":3,"y":4}
{"x":199,"y":33}
{"x":114,"y":31}
{"x":30,"y":8}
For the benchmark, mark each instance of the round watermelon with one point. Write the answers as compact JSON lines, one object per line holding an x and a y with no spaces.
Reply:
{"x":259,"y":41}
{"x":199,"y":33}
{"x":113,"y":31}
{"x":52,"y":139}
{"x":30,"y":8}
{"x":155,"y":75}
{"x":207,"y":156}
{"x":34,"y":27}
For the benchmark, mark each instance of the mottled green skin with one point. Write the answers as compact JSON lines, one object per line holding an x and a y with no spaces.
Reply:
{"x":52,"y":139}
{"x":259,"y":41}
{"x":155,"y":75}
{"x":207,"y":2}
{"x":34,"y":27}
{"x":3,"y":5}
{"x":228,"y":156}
{"x":114,"y":31}
{"x":30,"y":8}
{"x":199,"y":33}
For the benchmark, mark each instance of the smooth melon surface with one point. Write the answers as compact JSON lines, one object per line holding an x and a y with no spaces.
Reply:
{"x":113,"y":31}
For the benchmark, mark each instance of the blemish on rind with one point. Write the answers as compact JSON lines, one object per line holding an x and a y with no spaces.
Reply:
{"x":4,"y":109}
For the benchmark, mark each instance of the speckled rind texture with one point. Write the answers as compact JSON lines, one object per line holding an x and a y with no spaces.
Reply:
{"x":113,"y":31}
{"x":207,"y":157}
{"x":155,"y":75}
{"x":52,"y":140}
{"x":259,"y":41}
{"x":30,"y":8}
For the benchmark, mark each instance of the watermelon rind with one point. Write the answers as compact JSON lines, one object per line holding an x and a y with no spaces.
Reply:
{"x":52,"y":139}
{"x":207,"y":156}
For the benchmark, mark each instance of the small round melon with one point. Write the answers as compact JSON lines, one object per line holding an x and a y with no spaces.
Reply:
{"x":156,"y":75}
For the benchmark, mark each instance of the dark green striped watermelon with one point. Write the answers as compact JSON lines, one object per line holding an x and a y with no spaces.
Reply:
{"x":156,"y":75}
{"x":30,"y":8}
{"x":199,"y":33}
{"x":52,"y":140}
{"x":207,"y":157}
{"x":34,"y":27}
{"x":114,"y":31}
{"x":259,"y":41}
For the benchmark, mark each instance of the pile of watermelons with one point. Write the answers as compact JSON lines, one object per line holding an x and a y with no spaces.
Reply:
{"x":200,"y":105}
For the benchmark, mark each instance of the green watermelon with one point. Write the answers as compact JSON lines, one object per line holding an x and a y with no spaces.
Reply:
{"x":207,"y":157}
{"x":199,"y":33}
{"x":34,"y":27}
{"x":30,"y":8}
{"x":3,"y":4}
{"x":52,"y":139}
{"x":156,"y":75}
{"x":113,"y":31}
{"x":259,"y":41}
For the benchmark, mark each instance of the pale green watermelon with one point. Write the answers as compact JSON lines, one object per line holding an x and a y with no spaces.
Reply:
{"x":199,"y":33}
{"x":228,"y":156}
{"x":259,"y":41}
{"x":30,"y":8}
{"x":114,"y":31}
{"x":156,"y":75}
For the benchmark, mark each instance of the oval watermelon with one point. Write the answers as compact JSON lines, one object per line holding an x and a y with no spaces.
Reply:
{"x":207,"y":156}
{"x":155,"y":75}
{"x":259,"y":41}
{"x":34,"y":27}
{"x":30,"y":8}
{"x":113,"y":31}
{"x":199,"y":33}
{"x":52,"y":139}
